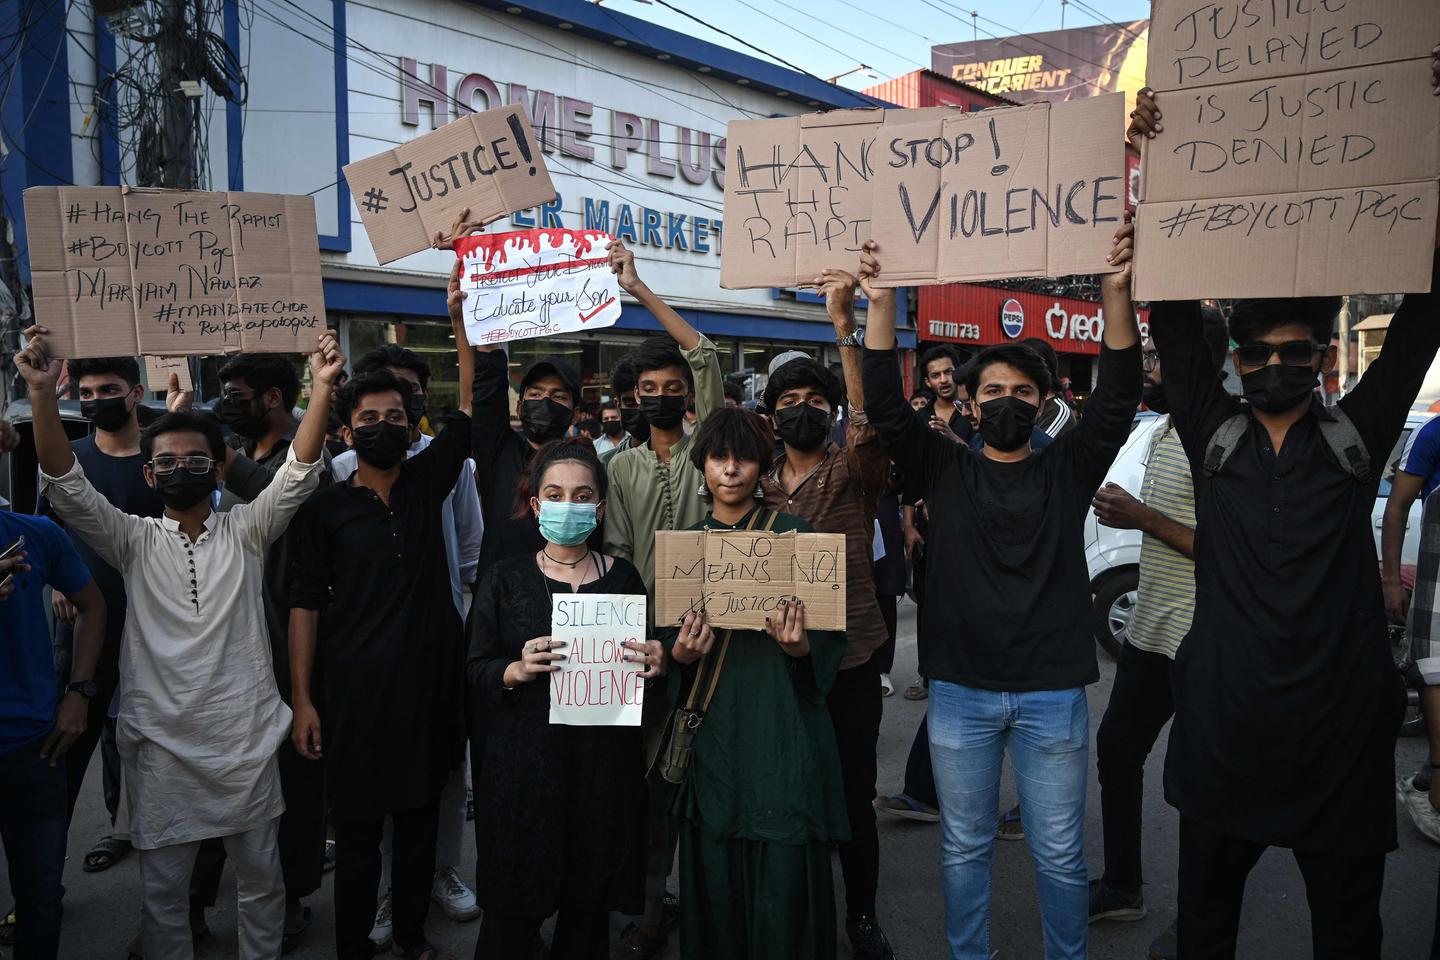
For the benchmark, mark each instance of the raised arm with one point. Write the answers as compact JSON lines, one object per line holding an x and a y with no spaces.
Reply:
{"x":454,"y":300}
{"x":699,"y":352}
{"x":867,"y":459}
{"x":920,"y":453}
{"x":63,"y":482}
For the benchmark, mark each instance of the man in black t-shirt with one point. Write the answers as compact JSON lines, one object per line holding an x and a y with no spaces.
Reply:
{"x":1004,"y":634}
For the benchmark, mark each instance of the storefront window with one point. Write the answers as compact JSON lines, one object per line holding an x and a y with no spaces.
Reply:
{"x":433,"y":342}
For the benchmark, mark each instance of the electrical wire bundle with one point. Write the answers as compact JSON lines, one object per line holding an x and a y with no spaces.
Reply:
{"x":159,"y":45}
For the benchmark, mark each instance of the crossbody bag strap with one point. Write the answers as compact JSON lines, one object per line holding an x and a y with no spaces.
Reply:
{"x":707,"y":676}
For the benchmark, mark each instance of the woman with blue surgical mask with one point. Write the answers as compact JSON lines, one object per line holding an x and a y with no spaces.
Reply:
{"x":559,"y":809}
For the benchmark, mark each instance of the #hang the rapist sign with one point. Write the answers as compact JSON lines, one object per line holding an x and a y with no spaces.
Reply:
{"x":535,"y":283}
{"x":1300,"y":150}
{"x":595,"y":686}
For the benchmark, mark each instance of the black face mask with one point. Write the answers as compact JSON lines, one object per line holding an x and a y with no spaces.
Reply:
{"x":1278,"y":387}
{"x":663,"y":412}
{"x":1154,"y":396}
{"x":802,"y":426}
{"x":613,"y":428}
{"x":382,"y":445}
{"x":1006,"y":422}
{"x":415,"y":408}
{"x":634,"y":420}
{"x":242,"y":417}
{"x":544,"y":420}
{"x":180,"y":489}
{"x":109,"y":414}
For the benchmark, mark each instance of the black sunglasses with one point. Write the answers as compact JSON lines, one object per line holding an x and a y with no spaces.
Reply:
{"x":1293,"y":353}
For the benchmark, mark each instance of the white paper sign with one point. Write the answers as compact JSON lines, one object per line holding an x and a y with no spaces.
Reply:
{"x":595,"y":687}
{"x":536,"y":283}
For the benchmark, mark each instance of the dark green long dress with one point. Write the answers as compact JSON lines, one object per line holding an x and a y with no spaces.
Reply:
{"x":763,"y":800}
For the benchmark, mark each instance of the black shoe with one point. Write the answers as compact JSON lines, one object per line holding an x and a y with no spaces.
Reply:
{"x":867,"y":940}
{"x":1108,"y":903}
{"x":1167,"y":945}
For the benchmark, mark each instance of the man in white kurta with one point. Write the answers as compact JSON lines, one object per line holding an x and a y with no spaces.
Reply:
{"x":200,"y":717}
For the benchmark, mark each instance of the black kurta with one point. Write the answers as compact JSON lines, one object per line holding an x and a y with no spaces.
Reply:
{"x":1288,"y":700}
{"x":391,"y":642}
{"x":559,"y":810}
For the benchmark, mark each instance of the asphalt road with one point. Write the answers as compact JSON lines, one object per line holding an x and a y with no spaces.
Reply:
{"x":102,"y":910}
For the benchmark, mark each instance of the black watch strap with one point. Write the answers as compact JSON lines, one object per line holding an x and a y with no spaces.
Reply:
{"x":86,"y":688}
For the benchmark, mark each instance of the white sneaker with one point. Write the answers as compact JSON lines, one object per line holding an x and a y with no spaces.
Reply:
{"x":383,"y":931}
{"x":887,"y":689}
{"x":1417,"y":804}
{"x":453,"y":896}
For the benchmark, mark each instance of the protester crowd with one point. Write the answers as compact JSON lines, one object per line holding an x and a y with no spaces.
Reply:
{"x":297,"y":657}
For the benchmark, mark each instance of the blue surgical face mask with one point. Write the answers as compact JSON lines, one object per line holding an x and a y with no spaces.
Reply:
{"x":567,"y":524}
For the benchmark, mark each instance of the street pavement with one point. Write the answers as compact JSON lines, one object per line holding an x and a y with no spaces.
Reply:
{"x":102,"y":910}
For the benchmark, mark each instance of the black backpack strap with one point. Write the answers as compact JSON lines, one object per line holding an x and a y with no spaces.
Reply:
{"x":1222,"y":443}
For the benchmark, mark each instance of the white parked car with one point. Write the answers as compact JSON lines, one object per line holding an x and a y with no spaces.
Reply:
{"x":1114,"y":555}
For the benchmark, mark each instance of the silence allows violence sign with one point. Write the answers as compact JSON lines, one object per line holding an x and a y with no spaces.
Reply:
{"x":594,"y":685}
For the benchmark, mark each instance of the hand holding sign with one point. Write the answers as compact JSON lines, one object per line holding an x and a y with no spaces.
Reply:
{"x":40,"y":370}
{"x":537,"y":657}
{"x":787,"y":626}
{"x":695,"y":639}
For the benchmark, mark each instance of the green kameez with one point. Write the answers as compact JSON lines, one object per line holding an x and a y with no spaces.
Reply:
{"x":763,"y":800}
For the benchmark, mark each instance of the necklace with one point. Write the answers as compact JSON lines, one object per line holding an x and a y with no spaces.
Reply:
{"x":546,"y":554}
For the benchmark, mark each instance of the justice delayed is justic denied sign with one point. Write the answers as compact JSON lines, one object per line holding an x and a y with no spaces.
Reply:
{"x":1300,"y":153}
{"x":489,"y":162}
{"x":536,"y":283}
{"x":126,"y":271}
{"x":595,"y":686}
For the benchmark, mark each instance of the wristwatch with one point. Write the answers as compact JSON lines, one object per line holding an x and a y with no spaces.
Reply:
{"x":855,"y":339}
{"x":86,"y":688}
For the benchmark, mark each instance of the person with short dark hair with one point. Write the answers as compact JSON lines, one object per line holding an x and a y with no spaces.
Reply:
{"x":1297,"y":749}
{"x":612,"y":429}
{"x":1007,"y":647}
{"x":938,"y":368}
{"x":556,"y":806}
{"x":756,"y":824}
{"x":200,"y":716}
{"x":734,"y":394}
{"x":38,"y":725}
{"x":920,"y":398}
{"x":835,"y":490}
{"x":1056,"y":417}
{"x":111,"y":398}
{"x":622,"y":386}
{"x":371,"y":592}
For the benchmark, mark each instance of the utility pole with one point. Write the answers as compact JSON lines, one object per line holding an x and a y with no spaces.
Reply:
{"x":178,"y":131}
{"x":1344,"y":367}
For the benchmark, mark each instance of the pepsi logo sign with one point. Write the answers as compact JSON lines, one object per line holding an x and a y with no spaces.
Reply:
{"x":1012,"y":318}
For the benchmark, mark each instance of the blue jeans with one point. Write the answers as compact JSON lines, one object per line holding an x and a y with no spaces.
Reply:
{"x":33,"y":825}
{"x":1048,"y":733}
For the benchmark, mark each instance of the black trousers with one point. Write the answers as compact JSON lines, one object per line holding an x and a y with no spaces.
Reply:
{"x":1141,"y":703}
{"x":357,"y":879}
{"x":580,"y":934}
{"x":919,"y":775}
{"x":855,"y":709}
{"x":1343,"y":893}
{"x":889,"y":609}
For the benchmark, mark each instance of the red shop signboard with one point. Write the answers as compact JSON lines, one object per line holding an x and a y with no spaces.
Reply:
{"x":973,"y":314}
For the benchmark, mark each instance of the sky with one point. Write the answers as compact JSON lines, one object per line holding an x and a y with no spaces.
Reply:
{"x":829,"y":37}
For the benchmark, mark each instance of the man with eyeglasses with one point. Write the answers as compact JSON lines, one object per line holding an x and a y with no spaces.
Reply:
{"x":200,"y":716}
{"x":1287,"y":696}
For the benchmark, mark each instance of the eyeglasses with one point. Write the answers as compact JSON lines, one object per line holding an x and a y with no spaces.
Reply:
{"x":962,"y":404}
{"x":1149,"y":360}
{"x":1293,"y":353}
{"x":238,"y":396}
{"x":195,"y":465}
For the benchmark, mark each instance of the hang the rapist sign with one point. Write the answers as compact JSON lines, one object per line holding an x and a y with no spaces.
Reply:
{"x":595,"y":686}
{"x":536,"y":283}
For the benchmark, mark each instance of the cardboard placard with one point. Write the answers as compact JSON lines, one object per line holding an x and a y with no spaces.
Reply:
{"x":740,"y":576}
{"x":489,"y":162}
{"x":535,"y":283}
{"x":1009,"y":192}
{"x":159,"y":369}
{"x":595,"y":686}
{"x":1299,"y":131}
{"x":121,"y":271}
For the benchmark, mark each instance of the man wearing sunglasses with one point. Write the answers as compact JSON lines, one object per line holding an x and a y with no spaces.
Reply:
{"x":200,"y":717}
{"x":1288,"y":700}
